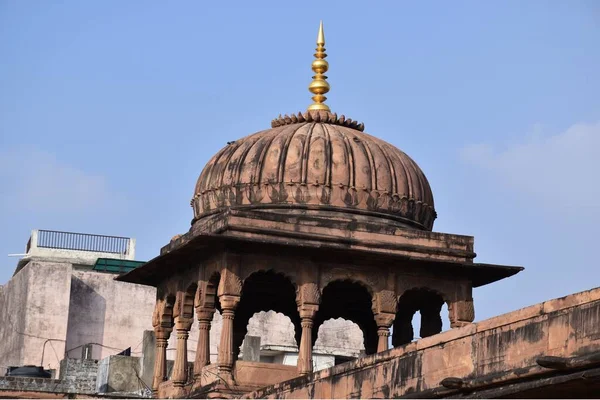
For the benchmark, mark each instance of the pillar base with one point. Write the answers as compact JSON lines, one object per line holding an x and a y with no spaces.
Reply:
{"x":168,"y":390}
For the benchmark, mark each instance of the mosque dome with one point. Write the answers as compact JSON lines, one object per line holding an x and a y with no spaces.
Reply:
{"x":316,"y":161}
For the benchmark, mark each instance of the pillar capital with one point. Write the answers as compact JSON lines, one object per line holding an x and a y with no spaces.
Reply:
{"x":205,"y":314}
{"x":183,"y":324}
{"x":308,"y":294}
{"x":384,"y":321}
{"x":384,"y":301}
{"x":162,"y":333}
{"x":308,"y":311}
{"x":229,"y":302}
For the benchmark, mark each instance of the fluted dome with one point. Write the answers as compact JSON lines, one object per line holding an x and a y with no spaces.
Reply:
{"x":316,"y":161}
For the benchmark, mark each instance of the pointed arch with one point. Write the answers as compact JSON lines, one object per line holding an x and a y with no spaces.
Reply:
{"x":428,"y":303}
{"x":265,"y":290}
{"x":350,"y":300}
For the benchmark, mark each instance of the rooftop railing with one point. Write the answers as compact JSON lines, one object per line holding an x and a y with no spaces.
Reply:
{"x":82,"y":242}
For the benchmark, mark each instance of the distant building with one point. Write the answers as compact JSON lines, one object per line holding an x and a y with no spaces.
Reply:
{"x":63,"y":302}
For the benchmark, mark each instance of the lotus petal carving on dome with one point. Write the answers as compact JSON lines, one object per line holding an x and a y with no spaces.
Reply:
{"x":301,"y":194}
{"x":254,"y":193}
{"x":372,"y":201}
{"x":323,"y":193}
{"x":319,"y":116}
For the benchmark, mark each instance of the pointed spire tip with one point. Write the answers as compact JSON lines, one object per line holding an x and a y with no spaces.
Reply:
{"x":321,"y":35}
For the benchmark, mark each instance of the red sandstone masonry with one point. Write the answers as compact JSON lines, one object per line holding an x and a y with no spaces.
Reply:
{"x":508,"y":344}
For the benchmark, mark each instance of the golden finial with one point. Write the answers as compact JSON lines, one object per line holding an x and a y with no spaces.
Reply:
{"x":319,"y":85}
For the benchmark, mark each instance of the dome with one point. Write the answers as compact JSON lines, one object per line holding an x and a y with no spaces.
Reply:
{"x":316,"y":161}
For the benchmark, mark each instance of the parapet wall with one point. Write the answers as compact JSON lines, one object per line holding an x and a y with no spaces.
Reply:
{"x":500,"y":349}
{"x":78,"y":375}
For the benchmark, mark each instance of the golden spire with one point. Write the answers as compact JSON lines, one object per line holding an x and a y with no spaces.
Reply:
{"x":319,"y":85}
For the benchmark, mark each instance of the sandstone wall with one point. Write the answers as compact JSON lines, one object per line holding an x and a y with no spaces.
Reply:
{"x":491,"y":351}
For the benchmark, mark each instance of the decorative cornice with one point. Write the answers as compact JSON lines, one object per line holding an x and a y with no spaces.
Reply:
{"x":325,"y":117}
{"x":338,"y":196}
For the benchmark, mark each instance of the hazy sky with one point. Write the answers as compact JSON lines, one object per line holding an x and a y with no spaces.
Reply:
{"x":110,"y":109}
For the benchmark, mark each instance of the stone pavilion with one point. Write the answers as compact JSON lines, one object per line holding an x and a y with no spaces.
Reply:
{"x":316,"y":219}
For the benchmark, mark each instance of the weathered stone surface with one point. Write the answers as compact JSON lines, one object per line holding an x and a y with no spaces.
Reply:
{"x":118,"y":374}
{"x":319,"y":165}
{"x":81,"y":373}
{"x":76,"y":377}
{"x":501,"y":350}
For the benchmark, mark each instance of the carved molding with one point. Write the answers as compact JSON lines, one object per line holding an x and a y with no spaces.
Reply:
{"x":430,"y":285}
{"x":315,"y":194}
{"x":228,"y":304}
{"x":355,"y":275}
{"x":184,"y":306}
{"x":461,"y":312}
{"x":308,"y":293}
{"x":384,"y":320}
{"x":317,"y":116}
{"x":206,"y":296}
{"x":230,"y":284}
{"x":162,"y":317}
{"x":279,"y":268}
{"x":199,"y":298}
{"x":205,"y":314}
{"x":385,"y":301}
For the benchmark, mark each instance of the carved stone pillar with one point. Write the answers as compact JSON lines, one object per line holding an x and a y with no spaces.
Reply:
{"x":384,"y":309}
{"x":307,"y":315}
{"x":162,"y":321}
{"x":384,"y":321}
{"x":205,"y":316}
{"x":180,"y":375}
{"x":225,"y":358}
{"x":461,"y":313}
{"x":308,"y":298}
{"x":160,"y":360}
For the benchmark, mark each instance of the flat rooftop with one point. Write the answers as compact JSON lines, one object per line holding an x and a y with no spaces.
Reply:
{"x":82,"y":249}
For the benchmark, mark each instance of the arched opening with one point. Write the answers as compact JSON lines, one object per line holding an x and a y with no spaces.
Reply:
{"x":338,"y":341}
{"x":351,"y":301}
{"x":265,"y":291}
{"x":270,"y":338}
{"x":428,"y":304}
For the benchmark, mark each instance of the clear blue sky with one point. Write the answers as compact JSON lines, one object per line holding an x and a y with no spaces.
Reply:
{"x":110,"y":109}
